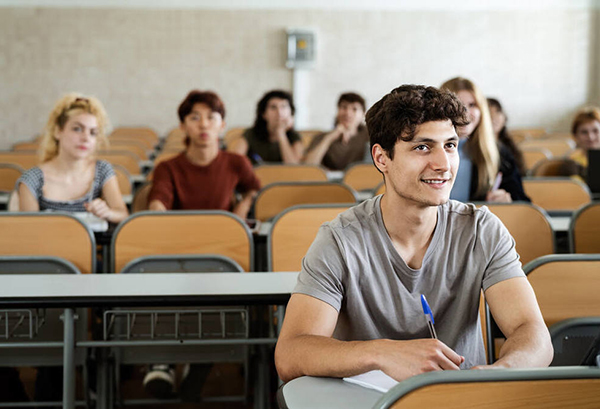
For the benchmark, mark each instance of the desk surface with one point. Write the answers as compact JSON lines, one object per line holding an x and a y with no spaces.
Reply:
{"x":332,"y":393}
{"x":88,"y":290}
{"x":326,"y":393}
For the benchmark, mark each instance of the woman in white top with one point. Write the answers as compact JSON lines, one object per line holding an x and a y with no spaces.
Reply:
{"x":70,"y":177}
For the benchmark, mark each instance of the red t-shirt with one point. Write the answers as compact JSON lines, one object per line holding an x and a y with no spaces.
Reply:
{"x":181,"y":185}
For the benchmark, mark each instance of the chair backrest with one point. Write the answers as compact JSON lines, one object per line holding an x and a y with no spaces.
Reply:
{"x":36,"y":265}
{"x":533,"y":155}
{"x":557,"y":193}
{"x":293,"y":232}
{"x":557,"y":146}
{"x":362,"y":176}
{"x":572,"y":338}
{"x":232,"y":134}
{"x":24,"y":159}
{"x":9,"y":174}
{"x":183,"y":263}
{"x":530,"y":227}
{"x":161,"y":157}
{"x":137,"y":148}
{"x":123,"y":179}
{"x":140,"y":139}
{"x":506,"y":389}
{"x":584,"y":231}
{"x":136,"y":131}
{"x":268,"y":174}
{"x":307,"y":135}
{"x":183,"y":232}
{"x":555,"y":167}
{"x":48,"y":234}
{"x":566,"y":285}
{"x":26,"y":146}
{"x":175,"y":135}
{"x":276,"y":197}
{"x":528,"y":133}
{"x":140,"y":199}
{"x":126,"y":159}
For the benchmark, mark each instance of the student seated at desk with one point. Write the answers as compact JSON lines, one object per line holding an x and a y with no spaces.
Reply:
{"x":348,"y":142}
{"x":70,"y":177}
{"x":272,"y":138}
{"x":586,"y":132}
{"x":489,"y":171}
{"x":504,"y":138}
{"x":203,"y":177}
{"x":356,"y":306}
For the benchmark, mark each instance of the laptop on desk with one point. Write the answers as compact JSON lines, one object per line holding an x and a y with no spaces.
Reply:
{"x":593,"y":171}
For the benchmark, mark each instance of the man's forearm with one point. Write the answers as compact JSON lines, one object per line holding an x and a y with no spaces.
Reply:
{"x":316,"y":154}
{"x":528,"y":346}
{"x":243,"y":207}
{"x":323,"y":356}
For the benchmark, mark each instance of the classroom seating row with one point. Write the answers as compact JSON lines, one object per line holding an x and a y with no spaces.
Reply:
{"x":150,"y":234}
{"x":564,"y":284}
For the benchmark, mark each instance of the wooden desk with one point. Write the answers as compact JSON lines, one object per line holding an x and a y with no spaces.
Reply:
{"x":331,"y":393}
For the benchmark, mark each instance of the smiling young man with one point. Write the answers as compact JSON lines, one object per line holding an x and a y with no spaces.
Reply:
{"x":203,"y":177}
{"x":356,"y":306}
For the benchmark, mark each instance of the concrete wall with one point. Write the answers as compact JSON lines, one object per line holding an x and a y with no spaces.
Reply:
{"x":141,"y":62}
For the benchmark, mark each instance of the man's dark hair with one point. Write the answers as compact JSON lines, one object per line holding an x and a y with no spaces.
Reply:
{"x":397,"y":115}
{"x":352,"y":97}
{"x":260,"y":125}
{"x":209,"y":98}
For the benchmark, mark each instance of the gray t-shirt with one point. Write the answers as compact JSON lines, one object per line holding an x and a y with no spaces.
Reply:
{"x":353,"y":266}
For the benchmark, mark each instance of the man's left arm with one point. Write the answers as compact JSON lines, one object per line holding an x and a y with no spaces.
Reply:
{"x":515,"y":310}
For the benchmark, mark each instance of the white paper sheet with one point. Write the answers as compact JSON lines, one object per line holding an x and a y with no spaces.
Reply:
{"x":373,"y":380}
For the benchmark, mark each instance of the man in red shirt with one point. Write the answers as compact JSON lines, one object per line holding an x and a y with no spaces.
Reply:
{"x":203,"y":177}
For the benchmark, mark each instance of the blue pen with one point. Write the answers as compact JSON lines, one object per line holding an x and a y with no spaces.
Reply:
{"x":428,"y":316}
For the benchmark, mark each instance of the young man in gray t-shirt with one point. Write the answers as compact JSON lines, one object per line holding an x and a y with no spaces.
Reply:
{"x":357,"y":305}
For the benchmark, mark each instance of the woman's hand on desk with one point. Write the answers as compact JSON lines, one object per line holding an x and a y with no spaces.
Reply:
{"x":99,"y":208}
{"x":403,"y":359}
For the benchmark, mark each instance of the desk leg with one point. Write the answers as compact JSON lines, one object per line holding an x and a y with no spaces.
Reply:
{"x":101,"y":382}
{"x":69,"y":359}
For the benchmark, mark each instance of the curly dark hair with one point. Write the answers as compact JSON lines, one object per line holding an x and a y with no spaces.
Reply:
{"x":397,"y":115}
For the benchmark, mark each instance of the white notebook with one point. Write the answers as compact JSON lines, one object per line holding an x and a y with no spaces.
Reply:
{"x":373,"y":380}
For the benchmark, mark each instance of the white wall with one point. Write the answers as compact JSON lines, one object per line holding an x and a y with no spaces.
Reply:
{"x":141,"y":62}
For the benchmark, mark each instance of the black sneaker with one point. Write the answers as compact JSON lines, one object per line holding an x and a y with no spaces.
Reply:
{"x":160,"y":381}
{"x":193,"y":379}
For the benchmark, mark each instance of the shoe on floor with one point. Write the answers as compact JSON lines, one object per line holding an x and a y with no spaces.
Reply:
{"x":193,"y":379}
{"x":160,"y":381}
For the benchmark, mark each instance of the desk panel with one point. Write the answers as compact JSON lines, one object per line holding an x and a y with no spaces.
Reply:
{"x":90,"y":290}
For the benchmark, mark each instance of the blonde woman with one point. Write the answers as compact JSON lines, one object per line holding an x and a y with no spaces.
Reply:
{"x":70,"y":178}
{"x":487,"y":172}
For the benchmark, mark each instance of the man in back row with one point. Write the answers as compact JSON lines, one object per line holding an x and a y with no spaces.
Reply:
{"x":356,"y":306}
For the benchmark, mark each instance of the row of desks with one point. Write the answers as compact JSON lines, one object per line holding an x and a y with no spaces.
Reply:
{"x":123,"y":290}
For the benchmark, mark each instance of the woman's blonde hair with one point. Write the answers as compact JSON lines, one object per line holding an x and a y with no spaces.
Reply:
{"x":69,"y":105}
{"x":481,"y":145}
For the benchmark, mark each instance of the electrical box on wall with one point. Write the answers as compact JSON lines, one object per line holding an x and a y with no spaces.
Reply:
{"x":301,"y":48}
